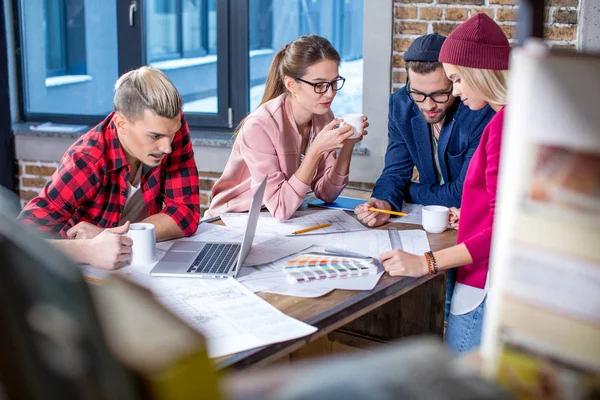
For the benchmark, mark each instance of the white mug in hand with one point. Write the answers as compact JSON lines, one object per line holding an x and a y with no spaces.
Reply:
{"x":435,"y":218}
{"x":143,"y":250}
{"x":355,"y":121}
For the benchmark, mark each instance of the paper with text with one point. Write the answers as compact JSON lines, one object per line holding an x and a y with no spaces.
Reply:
{"x":230,"y":316}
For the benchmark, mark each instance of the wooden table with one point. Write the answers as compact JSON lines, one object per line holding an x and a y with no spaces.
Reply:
{"x":397,"y":307}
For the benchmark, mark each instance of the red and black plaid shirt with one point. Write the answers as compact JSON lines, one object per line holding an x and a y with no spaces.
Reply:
{"x":90,"y":184}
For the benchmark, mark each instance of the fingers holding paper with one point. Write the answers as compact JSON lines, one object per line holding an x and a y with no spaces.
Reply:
{"x":401,"y":263}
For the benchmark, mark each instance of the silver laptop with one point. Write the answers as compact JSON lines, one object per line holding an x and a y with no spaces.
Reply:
{"x":212,"y":260}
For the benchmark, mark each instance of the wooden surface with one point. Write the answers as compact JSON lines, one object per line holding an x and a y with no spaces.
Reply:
{"x":393,"y":309}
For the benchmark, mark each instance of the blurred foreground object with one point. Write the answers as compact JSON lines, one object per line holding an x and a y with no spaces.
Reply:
{"x":54,"y":346}
{"x":51,"y":344}
{"x":541,"y":338}
{"x":420,"y":369}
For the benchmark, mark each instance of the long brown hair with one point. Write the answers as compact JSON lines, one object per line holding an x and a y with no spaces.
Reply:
{"x":293,"y":60}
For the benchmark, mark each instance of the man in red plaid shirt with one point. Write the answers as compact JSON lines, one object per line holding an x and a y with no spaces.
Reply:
{"x":136,"y":165}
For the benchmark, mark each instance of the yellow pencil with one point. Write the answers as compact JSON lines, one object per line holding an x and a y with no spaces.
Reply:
{"x":400,"y":214}
{"x":312,"y":228}
{"x":92,"y":279}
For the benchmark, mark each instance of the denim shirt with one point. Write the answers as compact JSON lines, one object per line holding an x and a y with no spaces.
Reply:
{"x":409,"y":145}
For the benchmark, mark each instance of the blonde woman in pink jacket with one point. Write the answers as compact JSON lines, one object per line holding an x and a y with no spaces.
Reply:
{"x":292,"y":137}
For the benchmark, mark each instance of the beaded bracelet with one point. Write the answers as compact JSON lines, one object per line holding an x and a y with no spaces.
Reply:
{"x":431,"y":263}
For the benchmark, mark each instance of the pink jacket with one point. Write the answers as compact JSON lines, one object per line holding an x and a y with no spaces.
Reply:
{"x":269,"y":144}
{"x":479,"y":204}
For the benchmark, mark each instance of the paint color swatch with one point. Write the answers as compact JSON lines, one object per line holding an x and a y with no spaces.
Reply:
{"x":311,"y":267}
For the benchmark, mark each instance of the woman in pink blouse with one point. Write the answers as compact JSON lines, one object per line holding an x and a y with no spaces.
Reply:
{"x":475,"y":58}
{"x":291,"y":137}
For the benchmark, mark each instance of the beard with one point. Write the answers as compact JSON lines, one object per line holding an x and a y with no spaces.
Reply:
{"x":441,"y":115}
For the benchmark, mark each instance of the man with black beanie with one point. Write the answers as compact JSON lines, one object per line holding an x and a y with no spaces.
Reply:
{"x":428,"y":129}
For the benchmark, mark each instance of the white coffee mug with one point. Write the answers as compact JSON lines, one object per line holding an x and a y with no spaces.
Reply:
{"x":143,"y":250}
{"x":355,"y":121}
{"x":435,"y":218}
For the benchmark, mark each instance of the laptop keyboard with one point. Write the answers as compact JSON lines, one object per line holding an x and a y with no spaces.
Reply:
{"x":215,"y":258}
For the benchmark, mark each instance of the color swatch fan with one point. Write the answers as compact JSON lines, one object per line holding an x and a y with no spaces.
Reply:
{"x":313,"y":266}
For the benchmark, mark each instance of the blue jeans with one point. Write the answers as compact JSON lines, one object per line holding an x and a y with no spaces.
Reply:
{"x":464,"y":331}
{"x":450,"y":282}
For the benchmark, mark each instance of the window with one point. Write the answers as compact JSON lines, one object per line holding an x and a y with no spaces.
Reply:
{"x":69,"y":59}
{"x":340,"y":21}
{"x":180,"y":29}
{"x":65,"y":37}
{"x":216,"y":52}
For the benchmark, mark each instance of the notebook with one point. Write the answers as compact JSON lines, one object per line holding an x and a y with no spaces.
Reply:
{"x":341,"y":203}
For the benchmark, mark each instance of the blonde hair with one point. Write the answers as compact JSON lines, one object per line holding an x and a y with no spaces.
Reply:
{"x":489,"y":84}
{"x":146,"y":88}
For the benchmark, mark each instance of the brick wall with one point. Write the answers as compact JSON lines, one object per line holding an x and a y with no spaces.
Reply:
{"x":33,"y":175}
{"x":413,"y":18}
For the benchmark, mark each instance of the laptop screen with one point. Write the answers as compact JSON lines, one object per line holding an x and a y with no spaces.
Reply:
{"x":253,"y":214}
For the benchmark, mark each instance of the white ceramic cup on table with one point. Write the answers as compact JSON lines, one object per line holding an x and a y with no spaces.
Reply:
{"x":435,"y":218}
{"x":355,"y":121}
{"x":143,"y":250}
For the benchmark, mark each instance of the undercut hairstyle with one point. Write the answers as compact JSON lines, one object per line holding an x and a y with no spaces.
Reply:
{"x":490,"y":84}
{"x":146,"y":88}
{"x":423,"y":67}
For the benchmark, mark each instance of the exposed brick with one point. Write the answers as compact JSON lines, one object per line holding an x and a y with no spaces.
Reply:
{"x":504,"y":2}
{"x":398,"y":61}
{"x":469,"y":2}
{"x":206,"y":174}
{"x":39,"y":170}
{"x":413,"y":1}
{"x":509,"y":30}
{"x":444,"y":29}
{"x":456,"y":14}
{"x":566,"y":33}
{"x":27,"y":194}
{"x":564,"y":16}
{"x":405,"y":12}
{"x":488,"y":11}
{"x":206,"y":184}
{"x":411,"y":28}
{"x":399,"y":77}
{"x":34,"y":182}
{"x":430,"y":13}
{"x":402,"y":44}
{"x":546,"y":15}
{"x":204,"y":199}
{"x":562,"y":3}
{"x":570,"y":47}
{"x":395,"y":88}
{"x":506,"y":14}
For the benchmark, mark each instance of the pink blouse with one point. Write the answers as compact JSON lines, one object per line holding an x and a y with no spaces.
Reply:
{"x":269,"y":144}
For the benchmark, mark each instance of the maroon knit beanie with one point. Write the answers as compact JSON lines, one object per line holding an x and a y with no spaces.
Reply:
{"x":477,"y":43}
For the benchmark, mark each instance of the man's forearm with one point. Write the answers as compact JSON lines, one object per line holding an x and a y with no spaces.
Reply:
{"x":166,"y":227}
{"x":75,"y":249}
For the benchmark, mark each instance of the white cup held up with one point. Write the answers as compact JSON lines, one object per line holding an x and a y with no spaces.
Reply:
{"x":355,"y":121}
{"x":143,"y":250}
{"x":435,"y":218}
